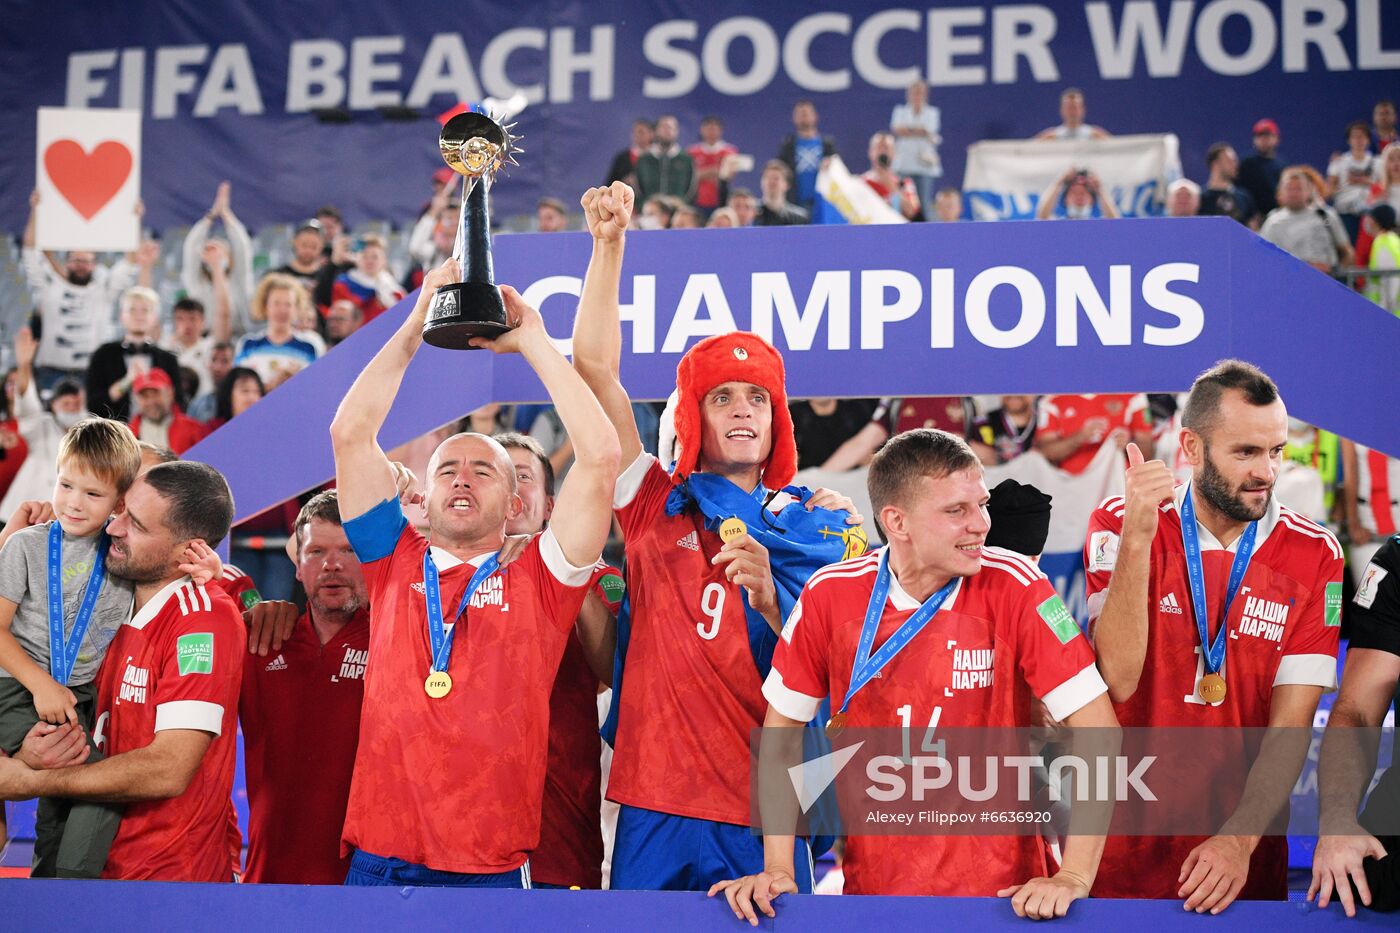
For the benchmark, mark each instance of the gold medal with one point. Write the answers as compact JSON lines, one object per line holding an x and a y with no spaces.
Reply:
{"x":1211,"y":688}
{"x":835,"y":724}
{"x":732,"y":529}
{"x":438,"y":685}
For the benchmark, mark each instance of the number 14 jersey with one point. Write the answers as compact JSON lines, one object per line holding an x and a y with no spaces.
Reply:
{"x":1002,"y":637}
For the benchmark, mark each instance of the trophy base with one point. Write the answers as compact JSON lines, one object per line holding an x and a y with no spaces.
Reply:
{"x":464,"y":310}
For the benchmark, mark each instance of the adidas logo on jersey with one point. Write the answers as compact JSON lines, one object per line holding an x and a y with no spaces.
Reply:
{"x":278,"y":663}
{"x":690,"y":542}
{"x":1169,"y":604}
{"x":417,"y":587}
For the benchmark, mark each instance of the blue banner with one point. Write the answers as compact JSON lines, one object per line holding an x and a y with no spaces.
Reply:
{"x":923,"y":309}
{"x":318,"y":101}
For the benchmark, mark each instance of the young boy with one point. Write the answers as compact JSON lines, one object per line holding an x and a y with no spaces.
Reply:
{"x":58,"y":612}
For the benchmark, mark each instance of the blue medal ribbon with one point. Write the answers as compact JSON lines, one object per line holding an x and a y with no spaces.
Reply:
{"x":866,"y":666}
{"x":1213,"y":652}
{"x":437,"y":629}
{"x":63,"y":653}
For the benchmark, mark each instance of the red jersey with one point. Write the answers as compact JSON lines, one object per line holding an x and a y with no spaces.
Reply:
{"x":184,"y":432}
{"x":1065,"y":415}
{"x":456,"y":783}
{"x":951,"y":413}
{"x":239,"y":586}
{"x":693,"y":691}
{"x":707,"y":191}
{"x":13,"y":457}
{"x":571,"y":839}
{"x":1377,"y":491}
{"x":176,"y":664}
{"x":300,"y":712}
{"x":244,"y":592}
{"x":1002,"y":637}
{"x":1284,"y":624}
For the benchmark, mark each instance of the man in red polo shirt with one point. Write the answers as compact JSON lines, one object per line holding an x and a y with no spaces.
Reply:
{"x":300,"y":710}
{"x":158,"y":421}
{"x":167,"y":691}
{"x":449,"y":774}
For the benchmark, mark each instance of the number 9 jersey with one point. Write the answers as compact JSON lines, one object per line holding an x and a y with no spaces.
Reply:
{"x":692,"y":691}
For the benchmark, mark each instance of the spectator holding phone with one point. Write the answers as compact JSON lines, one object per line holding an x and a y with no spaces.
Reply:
{"x":901,"y":193}
{"x":1074,"y":196}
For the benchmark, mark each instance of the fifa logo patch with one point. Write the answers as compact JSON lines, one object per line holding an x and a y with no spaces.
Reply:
{"x":195,"y":653}
{"x":1333,"y":605}
{"x":613,"y":587}
{"x":1055,"y":614}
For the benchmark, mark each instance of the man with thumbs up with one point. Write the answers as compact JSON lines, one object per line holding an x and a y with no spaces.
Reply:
{"x":1212,"y":605}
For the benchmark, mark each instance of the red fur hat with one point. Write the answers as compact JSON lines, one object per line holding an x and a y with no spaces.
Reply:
{"x":734,"y":357}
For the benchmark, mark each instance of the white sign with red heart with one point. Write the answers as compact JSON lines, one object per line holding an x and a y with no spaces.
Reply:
{"x":89,"y":179}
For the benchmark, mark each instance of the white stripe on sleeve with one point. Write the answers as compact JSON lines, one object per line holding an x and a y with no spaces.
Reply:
{"x":787,"y":701}
{"x":1075,"y":694}
{"x":190,"y":714}
{"x":565,"y":572}
{"x":629,"y":481}
{"x":1312,"y":670}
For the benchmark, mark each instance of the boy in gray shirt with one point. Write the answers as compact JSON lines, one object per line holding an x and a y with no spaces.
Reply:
{"x":58,"y":612}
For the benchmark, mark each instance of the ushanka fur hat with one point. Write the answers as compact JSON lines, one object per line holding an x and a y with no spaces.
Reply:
{"x":739,"y":356}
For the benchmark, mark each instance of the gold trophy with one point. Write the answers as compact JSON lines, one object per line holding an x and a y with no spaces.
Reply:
{"x":475,"y":146}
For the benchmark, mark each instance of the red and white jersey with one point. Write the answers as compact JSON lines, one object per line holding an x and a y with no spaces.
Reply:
{"x":300,"y":711}
{"x":708,"y":191}
{"x":176,"y":664}
{"x":1002,"y":638}
{"x":1377,"y":491}
{"x":239,"y":586}
{"x":1283,"y":629}
{"x":1066,"y":415}
{"x":692,"y":691}
{"x":456,"y":783}
{"x":570,"y":852}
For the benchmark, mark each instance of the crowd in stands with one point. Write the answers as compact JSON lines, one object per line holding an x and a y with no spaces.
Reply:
{"x":180,"y":347}
{"x":1331,"y":219}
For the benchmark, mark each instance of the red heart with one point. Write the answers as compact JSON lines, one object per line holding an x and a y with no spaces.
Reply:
{"x":87,"y":180}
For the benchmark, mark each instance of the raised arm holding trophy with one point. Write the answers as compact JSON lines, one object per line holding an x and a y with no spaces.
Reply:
{"x":476,"y":146}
